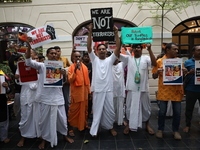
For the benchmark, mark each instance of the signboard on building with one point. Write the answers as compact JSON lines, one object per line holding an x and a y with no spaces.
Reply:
{"x":102,"y":20}
{"x":135,"y":35}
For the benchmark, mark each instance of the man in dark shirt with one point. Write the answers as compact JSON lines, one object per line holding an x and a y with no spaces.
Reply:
{"x":192,"y":90}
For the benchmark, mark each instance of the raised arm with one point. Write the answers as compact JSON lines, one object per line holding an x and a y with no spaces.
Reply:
{"x":28,"y":52}
{"x":153,"y":59}
{"x":118,"y":42}
{"x":89,"y":40}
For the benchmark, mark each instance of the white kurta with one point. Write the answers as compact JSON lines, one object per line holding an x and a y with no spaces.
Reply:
{"x":118,"y":91}
{"x":102,"y":87}
{"x":136,"y":104}
{"x":52,"y":107}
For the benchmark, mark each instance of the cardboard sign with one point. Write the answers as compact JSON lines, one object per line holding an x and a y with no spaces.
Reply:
{"x":2,"y":89}
{"x":197,"y":72}
{"x":22,"y":37}
{"x":172,"y":74}
{"x":102,"y":20}
{"x":26,"y":73}
{"x":53,"y":77}
{"x":43,"y":35}
{"x":135,"y":35}
{"x":80,"y":42}
{"x":111,"y":45}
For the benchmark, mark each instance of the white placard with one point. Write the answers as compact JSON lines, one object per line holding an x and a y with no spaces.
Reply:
{"x":53,"y":76}
{"x":172,"y":74}
{"x":42,"y":35}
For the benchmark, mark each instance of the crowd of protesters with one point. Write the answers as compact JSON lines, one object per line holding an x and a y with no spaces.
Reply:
{"x":96,"y":83}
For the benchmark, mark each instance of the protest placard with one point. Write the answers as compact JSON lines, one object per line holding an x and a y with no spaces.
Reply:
{"x":135,"y":35}
{"x":111,"y":45}
{"x":102,"y":20}
{"x":53,"y":76}
{"x":42,"y":35}
{"x":172,"y":74}
{"x":197,"y":72}
{"x":80,"y":42}
{"x":27,"y":74}
{"x":2,"y":89}
{"x":22,"y":37}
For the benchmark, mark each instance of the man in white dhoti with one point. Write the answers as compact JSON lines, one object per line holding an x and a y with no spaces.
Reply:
{"x":53,"y":116}
{"x":118,"y":90}
{"x":28,"y":125}
{"x":138,"y":107}
{"x":102,"y":85}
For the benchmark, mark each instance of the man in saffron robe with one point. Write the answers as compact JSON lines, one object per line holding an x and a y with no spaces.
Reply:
{"x":79,"y":89}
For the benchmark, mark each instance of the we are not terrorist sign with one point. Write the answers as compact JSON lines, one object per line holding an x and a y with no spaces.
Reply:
{"x":102,"y":20}
{"x":135,"y":35}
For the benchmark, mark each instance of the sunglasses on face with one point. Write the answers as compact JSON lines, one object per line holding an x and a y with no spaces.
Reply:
{"x":101,"y":49}
{"x":77,"y":56}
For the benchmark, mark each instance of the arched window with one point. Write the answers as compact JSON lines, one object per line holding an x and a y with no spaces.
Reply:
{"x":10,"y":34}
{"x":186,"y":35}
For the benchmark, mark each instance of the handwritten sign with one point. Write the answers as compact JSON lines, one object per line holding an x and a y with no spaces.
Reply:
{"x":26,"y":73}
{"x":80,"y":42}
{"x":43,"y":35}
{"x":197,"y":72}
{"x":172,"y":74}
{"x":102,"y":20}
{"x":135,"y":35}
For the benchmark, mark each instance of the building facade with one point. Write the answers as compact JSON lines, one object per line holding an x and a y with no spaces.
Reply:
{"x":69,"y":18}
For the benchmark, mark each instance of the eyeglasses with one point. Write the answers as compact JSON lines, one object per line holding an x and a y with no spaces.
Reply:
{"x":77,"y":56}
{"x":101,"y":49}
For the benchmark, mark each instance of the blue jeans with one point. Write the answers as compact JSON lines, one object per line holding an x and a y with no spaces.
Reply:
{"x":176,"y":106}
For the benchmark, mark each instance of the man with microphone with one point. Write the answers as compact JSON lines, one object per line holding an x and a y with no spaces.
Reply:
{"x":79,"y":90}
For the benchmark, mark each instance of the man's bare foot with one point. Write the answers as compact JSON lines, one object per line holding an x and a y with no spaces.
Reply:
{"x":125,"y":123}
{"x":113,"y":132}
{"x":126,"y":130}
{"x":71,"y":133}
{"x":87,"y":127}
{"x":186,"y":129}
{"x":150,"y":130}
{"x":69,"y":139}
{"x":6,"y":140}
{"x":94,"y":136}
{"x":21,"y":142}
{"x":42,"y":144}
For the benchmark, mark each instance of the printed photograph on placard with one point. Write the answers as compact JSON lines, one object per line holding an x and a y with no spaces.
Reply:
{"x":172,"y":74}
{"x":53,"y":77}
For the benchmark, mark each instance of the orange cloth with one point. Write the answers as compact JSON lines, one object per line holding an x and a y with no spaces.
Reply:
{"x":65,"y":61}
{"x":167,"y":92}
{"x":79,"y":91}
